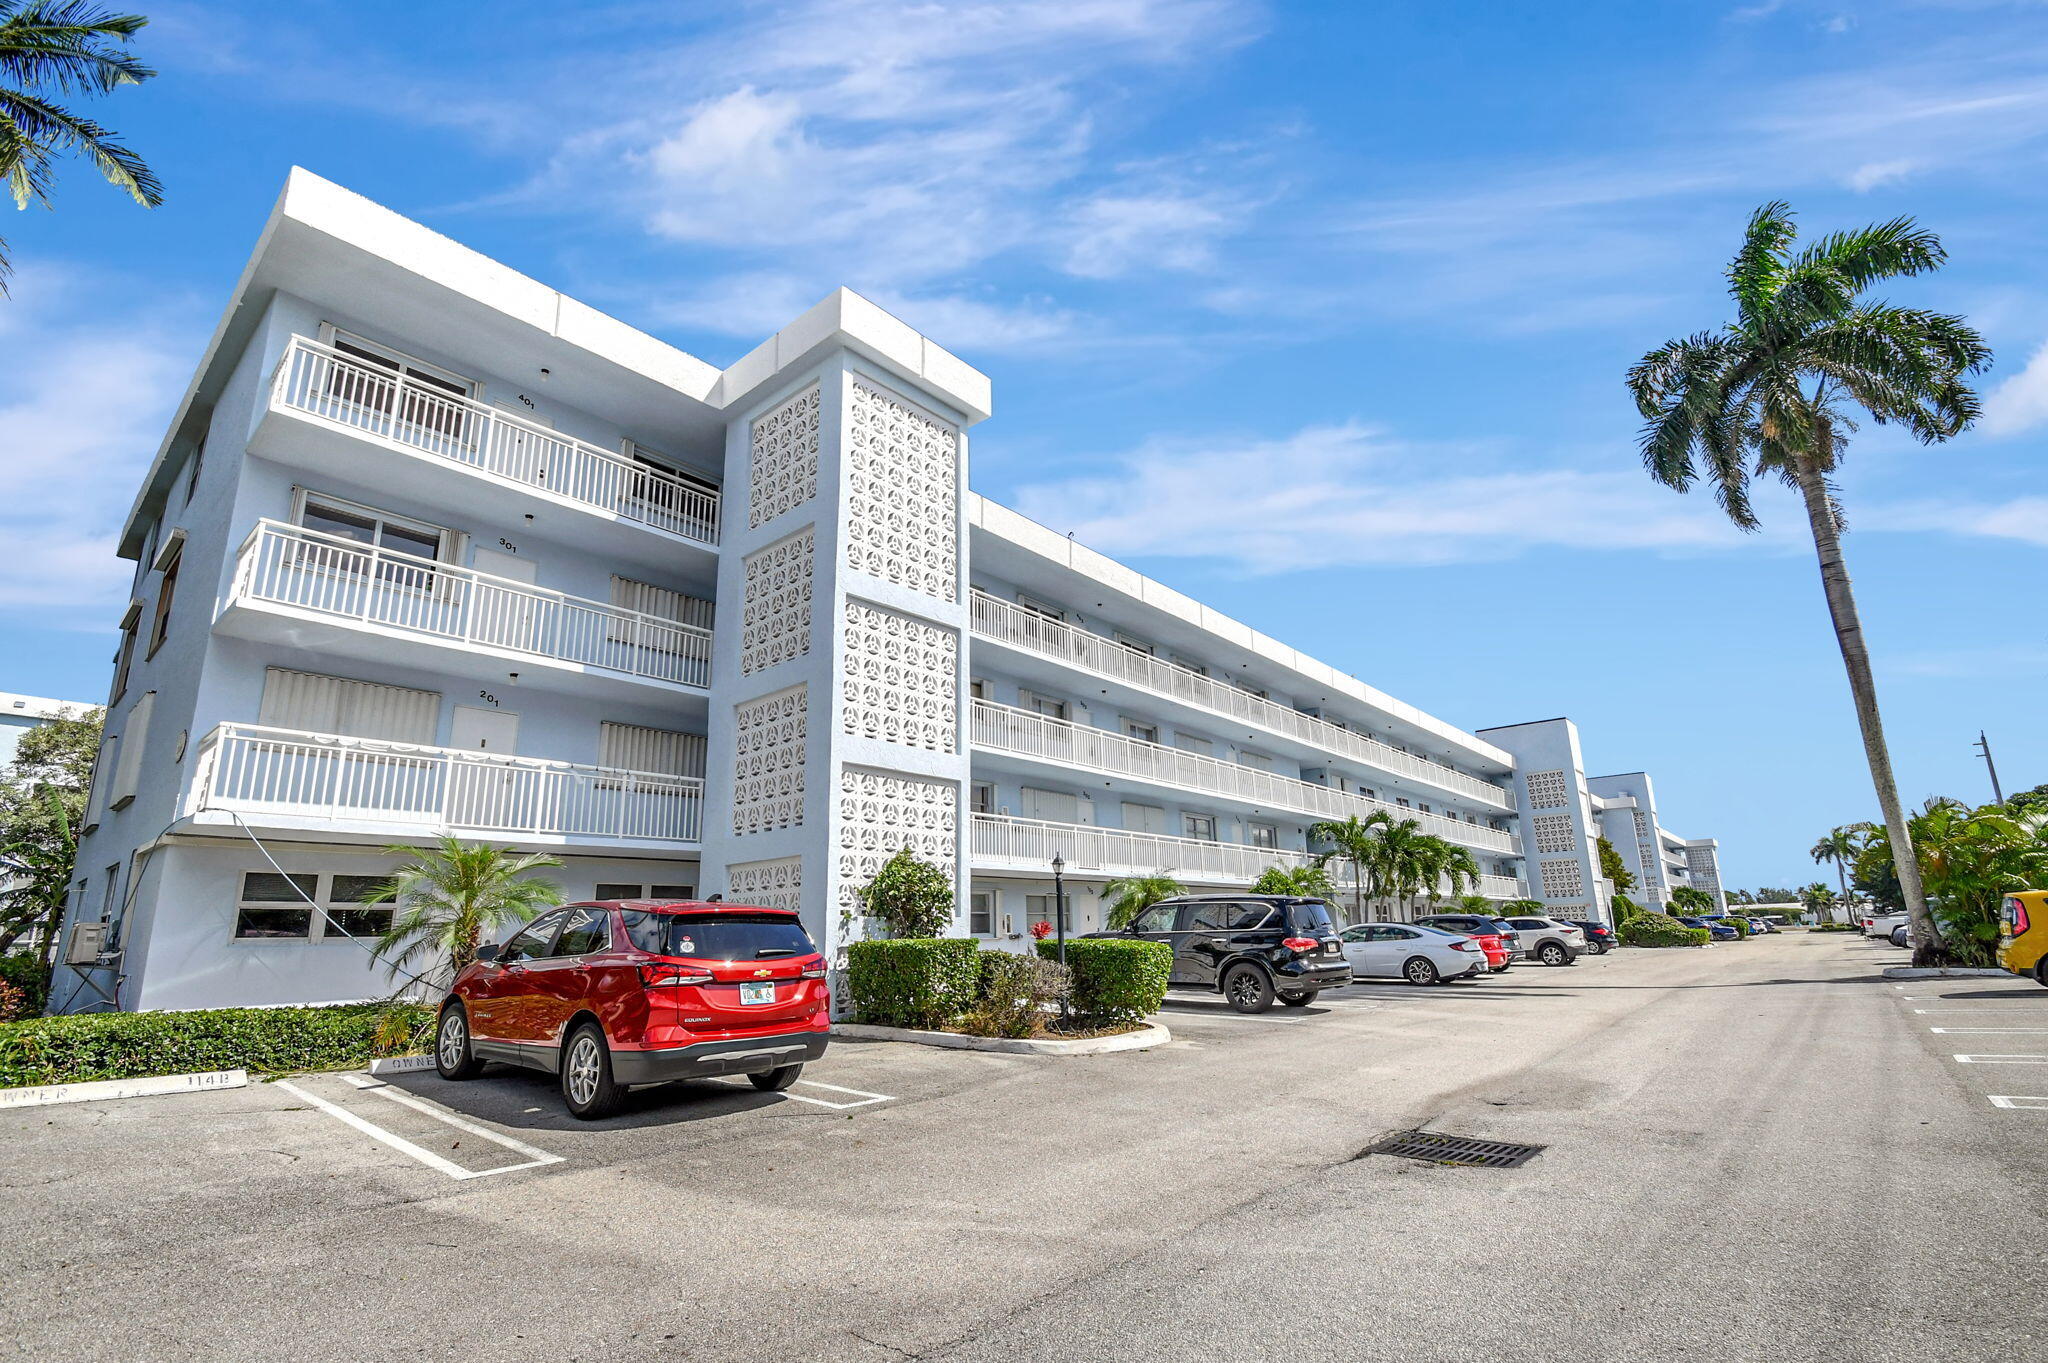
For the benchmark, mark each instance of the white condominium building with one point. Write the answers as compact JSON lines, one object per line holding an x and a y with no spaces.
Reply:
{"x":430,"y":548}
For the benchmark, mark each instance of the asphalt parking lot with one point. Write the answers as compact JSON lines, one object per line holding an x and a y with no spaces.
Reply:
{"x":1753,"y":1150}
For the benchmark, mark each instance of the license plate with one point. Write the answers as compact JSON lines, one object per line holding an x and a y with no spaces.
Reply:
{"x":757,"y":993}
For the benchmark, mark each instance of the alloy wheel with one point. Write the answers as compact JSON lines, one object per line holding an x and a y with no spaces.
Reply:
{"x":1244,"y":990}
{"x":583,"y":1066}
{"x":454,"y":1039}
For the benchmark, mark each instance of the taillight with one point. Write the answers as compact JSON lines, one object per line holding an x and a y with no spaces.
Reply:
{"x":669,"y":976}
{"x":2016,"y":917}
{"x":816,"y":972}
{"x":1465,"y":946}
{"x":1302,"y":946}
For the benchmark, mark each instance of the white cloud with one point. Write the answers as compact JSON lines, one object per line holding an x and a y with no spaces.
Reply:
{"x":2020,"y":518}
{"x":2019,"y":402}
{"x":1351,"y":494}
{"x":1876,"y":174}
{"x":82,"y":408}
{"x":1116,"y":233}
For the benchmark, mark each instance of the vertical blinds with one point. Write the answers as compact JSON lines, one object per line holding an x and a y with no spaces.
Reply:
{"x":649,"y":599}
{"x":636,"y":748}
{"x":1144,"y":818}
{"x":336,"y":705}
{"x":1057,"y":806}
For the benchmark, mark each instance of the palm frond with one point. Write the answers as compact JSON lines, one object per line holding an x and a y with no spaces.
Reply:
{"x":69,"y":46}
{"x":32,"y":123}
{"x":1754,"y":275}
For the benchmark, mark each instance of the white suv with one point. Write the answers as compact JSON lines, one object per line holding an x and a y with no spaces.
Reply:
{"x":1549,"y":941}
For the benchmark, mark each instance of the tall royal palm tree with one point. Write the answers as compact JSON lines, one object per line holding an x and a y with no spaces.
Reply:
{"x":1772,"y":394}
{"x":1841,"y":847}
{"x":52,"y":48}
{"x":446,"y":899}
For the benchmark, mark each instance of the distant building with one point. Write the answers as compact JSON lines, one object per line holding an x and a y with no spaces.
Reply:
{"x":19,"y":714}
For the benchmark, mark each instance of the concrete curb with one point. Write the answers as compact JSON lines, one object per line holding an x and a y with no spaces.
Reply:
{"x":100,"y":1090}
{"x":401,"y":1064}
{"x":1146,"y":1037}
{"x":1972,"y":972}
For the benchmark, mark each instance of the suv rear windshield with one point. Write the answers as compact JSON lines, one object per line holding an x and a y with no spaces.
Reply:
{"x":1310,"y":917}
{"x":718,"y":937}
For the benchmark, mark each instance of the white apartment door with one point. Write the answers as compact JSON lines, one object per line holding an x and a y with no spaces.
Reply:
{"x":485,"y":789}
{"x":506,"y":617}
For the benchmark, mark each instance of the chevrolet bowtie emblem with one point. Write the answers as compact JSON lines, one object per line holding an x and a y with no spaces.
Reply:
{"x":759,"y":973}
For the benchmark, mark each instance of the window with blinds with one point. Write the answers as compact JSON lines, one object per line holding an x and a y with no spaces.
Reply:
{"x":1057,"y":806}
{"x":134,"y":734}
{"x":634,"y":747}
{"x":315,"y":703}
{"x":660,"y":602}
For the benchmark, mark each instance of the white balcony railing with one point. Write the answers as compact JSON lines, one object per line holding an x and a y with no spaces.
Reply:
{"x":256,"y":770}
{"x":320,"y":381}
{"x":1004,"y":842}
{"x":1005,"y":728}
{"x":289,"y":565}
{"x":1008,"y":623}
{"x":1001,"y":840}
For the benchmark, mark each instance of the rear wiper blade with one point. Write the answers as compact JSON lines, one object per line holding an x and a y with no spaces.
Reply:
{"x":774,"y":951}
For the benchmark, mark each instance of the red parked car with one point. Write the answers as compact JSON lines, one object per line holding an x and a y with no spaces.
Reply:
{"x":611,"y":995}
{"x":1481,"y":929}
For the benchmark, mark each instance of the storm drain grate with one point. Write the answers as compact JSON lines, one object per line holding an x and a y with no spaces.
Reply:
{"x":1438,"y":1148}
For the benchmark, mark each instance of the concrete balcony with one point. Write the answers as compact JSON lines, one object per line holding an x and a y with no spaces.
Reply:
{"x":1027,"y":846}
{"x":1042,"y":741}
{"x":1033,"y":635}
{"x":368,"y":790}
{"x":327,"y":410}
{"x":311,"y":590}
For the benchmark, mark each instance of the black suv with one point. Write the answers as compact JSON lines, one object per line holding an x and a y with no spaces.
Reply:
{"x":1251,"y":948}
{"x":1600,"y":938}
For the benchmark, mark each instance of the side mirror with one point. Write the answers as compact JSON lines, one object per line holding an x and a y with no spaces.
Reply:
{"x":488,"y":952}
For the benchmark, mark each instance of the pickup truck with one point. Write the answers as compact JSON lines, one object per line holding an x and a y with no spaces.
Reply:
{"x":1881,"y":924}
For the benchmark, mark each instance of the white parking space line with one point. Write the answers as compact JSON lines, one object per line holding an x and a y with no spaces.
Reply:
{"x":862,"y":1096}
{"x":1946,"y":1031}
{"x":2002,"y":1059}
{"x":535,"y":1156}
{"x":1980,"y":1012}
{"x":2018,"y":1100}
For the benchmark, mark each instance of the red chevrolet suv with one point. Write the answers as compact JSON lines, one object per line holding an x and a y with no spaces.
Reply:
{"x":635,"y":991}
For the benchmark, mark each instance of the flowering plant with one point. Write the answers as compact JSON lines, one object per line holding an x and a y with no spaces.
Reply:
{"x":1041,"y":930}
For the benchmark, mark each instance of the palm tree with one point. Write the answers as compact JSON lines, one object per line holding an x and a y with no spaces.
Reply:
{"x":447,"y":899}
{"x":1407,"y":860}
{"x":1132,"y":895}
{"x":1354,"y":840}
{"x":1309,"y":882}
{"x":1771,"y":393}
{"x":1840,"y":846}
{"x":53,"y":47}
{"x":1818,"y":898}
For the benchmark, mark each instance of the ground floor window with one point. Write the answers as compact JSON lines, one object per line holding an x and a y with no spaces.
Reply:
{"x":609,"y":889}
{"x":981,"y":913}
{"x":307,"y":906}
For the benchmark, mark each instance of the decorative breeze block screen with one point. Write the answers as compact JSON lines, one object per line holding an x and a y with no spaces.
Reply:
{"x":1554,"y":833}
{"x":883,"y":812}
{"x":902,"y":495}
{"x":775,"y":607}
{"x":902,"y":679}
{"x":769,"y":884}
{"x":1546,"y":789}
{"x":768,"y":762}
{"x":1562,"y":879}
{"x":785,"y":459}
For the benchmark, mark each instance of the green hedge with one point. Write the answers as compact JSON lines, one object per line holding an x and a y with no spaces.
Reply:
{"x":1114,"y":980}
{"x":63,"y":1050}
{"x":922,"y":982}
{"x":1014,"y":995}
{"x":1652,"y":929}
{"x":31,"y":977}
{"x":1741,"y":928}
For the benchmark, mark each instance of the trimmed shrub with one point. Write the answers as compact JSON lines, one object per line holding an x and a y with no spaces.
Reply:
{"x":919,"y":982}
{"x":1115,"y":980}
{"x":29,"y":977}
{"x":1014,"y":994}
{"x":914,"y":898}
{"x":63,"y":1050}
{"x":1648,"y":928}
{"x":1741,"y":928}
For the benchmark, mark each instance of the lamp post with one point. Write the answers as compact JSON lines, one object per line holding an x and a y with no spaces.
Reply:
{"x":1984,"y":748}
{"x":1059,"y":916}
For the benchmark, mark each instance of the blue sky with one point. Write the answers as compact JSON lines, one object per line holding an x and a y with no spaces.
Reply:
{"x":1318,"y":312}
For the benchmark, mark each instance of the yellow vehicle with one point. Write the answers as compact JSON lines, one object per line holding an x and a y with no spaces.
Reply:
{"x":2023,"y":934}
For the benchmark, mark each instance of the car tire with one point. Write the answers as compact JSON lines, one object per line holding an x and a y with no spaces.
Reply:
{"x":775,"y":1080}
{"x":2041,"y":970}
{"x":1421,"y":970}
{"x":1553,"y":953}
{"x":454,"y":1057}
{"x":1299,"y":1000}
{"x":1248,"y":989}
{"x":1500,"y":969}
{"x":588,"y":1089}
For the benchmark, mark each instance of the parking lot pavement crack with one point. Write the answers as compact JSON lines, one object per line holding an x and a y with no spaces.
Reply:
{"x":882,"y":1344}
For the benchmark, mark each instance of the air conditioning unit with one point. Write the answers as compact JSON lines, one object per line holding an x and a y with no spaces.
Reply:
{"x":85,"y":944}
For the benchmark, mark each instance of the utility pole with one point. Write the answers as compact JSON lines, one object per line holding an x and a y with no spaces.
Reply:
{"x":1984,"y":747}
